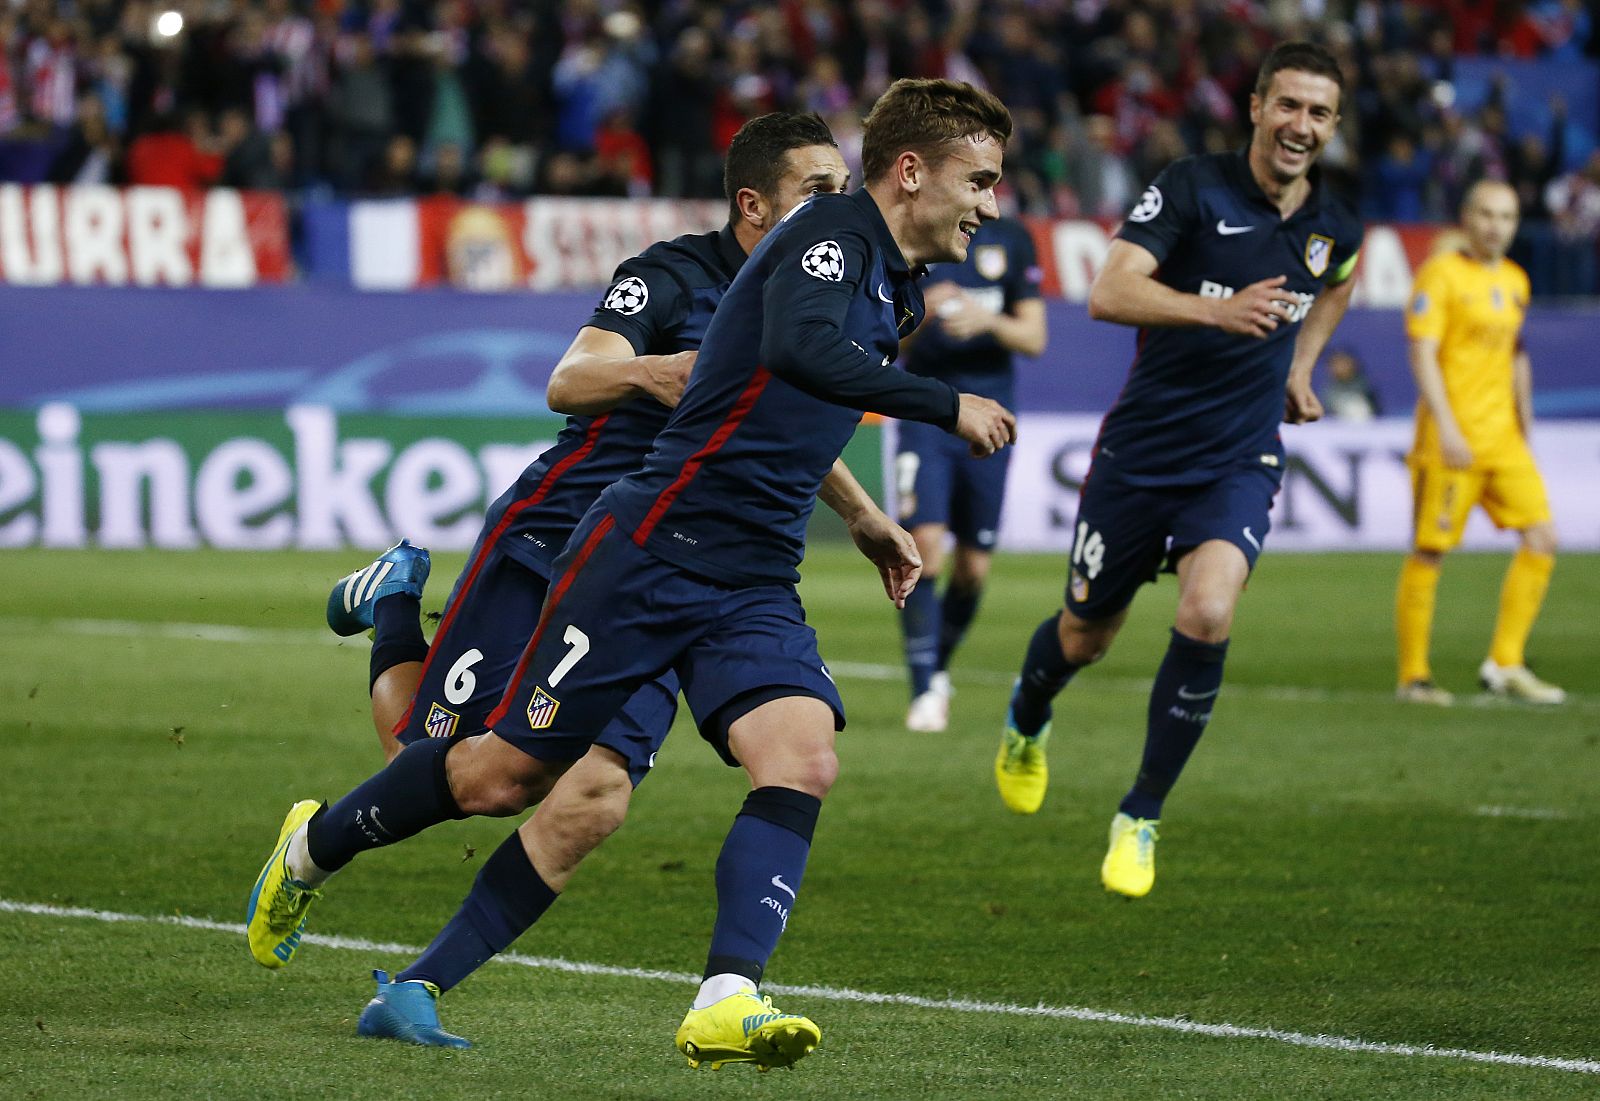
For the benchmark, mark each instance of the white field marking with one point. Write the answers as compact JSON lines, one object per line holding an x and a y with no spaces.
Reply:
{"x":1543,"y":814}
{"x":844,"y":994}
{"x":848,"y":670}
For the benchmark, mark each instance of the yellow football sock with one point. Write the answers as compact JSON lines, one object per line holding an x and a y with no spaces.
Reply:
{"x":1521,"y":596}
{"x":1413,"y":617}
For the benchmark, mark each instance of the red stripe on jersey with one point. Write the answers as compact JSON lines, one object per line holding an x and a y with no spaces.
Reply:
{"x":515,"y":509}
{"x":568,"y":575}
{"x":736,"y":416}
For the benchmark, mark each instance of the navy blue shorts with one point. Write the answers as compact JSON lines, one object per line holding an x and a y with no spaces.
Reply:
{"x":937,"y":481}
{"x":618,"y":617}
{"x":1125,"y":535}
{"x":492,"y":614}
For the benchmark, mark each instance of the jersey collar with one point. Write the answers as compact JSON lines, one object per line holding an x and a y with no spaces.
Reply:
{"x":1239,"y":167}
{"x":893,"y":259}
{"x":733,"y":257}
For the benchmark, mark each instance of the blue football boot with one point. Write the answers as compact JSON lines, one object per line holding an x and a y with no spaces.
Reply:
{"x":407,"y":1011}
{"x":402,"y":568}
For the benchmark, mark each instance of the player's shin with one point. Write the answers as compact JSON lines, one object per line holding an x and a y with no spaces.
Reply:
{"x":1045,"y":672}
{"x":758,"y":876}
{"x":957,"y":609}
{"x":1181,"y":700}
{"x":1521,"y":597}
{"x":396,"y":634}
{"x":506,"y":898}
{"x":1413,"y":617}
{"x":919,"y":622}
{"x":410,"y":794}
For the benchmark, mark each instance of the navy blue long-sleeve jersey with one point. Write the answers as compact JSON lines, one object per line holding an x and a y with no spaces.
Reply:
{"x":1000,"y":270}
{"x":661,"y":301}
{"x":1198,"y":400}
{"x":802,"y":342}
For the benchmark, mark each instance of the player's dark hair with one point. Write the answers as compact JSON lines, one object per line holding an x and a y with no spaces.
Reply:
{"x":1303,"y":57}
{"x":928,"y":117}
{"x":756,"y":155}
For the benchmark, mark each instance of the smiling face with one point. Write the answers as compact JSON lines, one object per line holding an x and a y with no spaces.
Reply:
{"x":1293,"y":121}
{"x":954,"y":195}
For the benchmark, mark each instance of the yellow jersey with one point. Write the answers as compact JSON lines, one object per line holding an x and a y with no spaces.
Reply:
{"x":1474,"y":313}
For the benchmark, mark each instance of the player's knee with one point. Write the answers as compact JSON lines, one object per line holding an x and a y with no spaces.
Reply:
{"x":1205,"y":617}
{"x":487,"y":777}
{"x":1084,"y":643}
{"x":1540,"y":539}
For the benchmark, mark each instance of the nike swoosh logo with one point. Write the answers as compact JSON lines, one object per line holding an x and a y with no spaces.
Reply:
{"x":890,"y":301}
{"x":1254,"y":542}
{"x":1228,"y":231}
{"x":777,"y":881}
{"x":1185,"y":694}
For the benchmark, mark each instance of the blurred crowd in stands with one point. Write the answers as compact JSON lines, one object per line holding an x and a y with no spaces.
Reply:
{"x":504,"y":98}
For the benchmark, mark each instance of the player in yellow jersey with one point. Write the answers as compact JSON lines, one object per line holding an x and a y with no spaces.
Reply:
{"x":1475,"y":411}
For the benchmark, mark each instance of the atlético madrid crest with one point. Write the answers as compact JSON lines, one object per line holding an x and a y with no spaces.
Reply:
{"x":441,"y":721}
{"x":990,"y":260}
{"x":1319,"y":250}
{"x":542,"y":709}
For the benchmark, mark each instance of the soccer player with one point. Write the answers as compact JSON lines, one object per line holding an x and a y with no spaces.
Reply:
{"x":1235,"y":267}
{"x":690,"y":564}
{"x":1474,"y":415}
{"x":624,"y":370}
{"x":981,"y":314}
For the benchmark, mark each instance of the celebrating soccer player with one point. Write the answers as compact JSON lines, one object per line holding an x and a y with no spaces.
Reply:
{"x":1474,"y":414}
{"x":981,"y":314}
{"x":1235,"y":267}
{"x":690,"y":564}
{"x":623,"y":372}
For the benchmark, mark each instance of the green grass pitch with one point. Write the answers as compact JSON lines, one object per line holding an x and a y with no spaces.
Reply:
{"x":1333,"y":863}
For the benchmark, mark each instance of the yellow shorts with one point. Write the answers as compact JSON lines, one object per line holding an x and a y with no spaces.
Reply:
{"x":1510,"y":491}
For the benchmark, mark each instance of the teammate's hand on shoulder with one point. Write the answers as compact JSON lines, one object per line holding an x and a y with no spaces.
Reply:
{"x":985,"y":424}
{"x":1300,"y":403}
{"x":666,"y":376}
{"x":1454,"y":449}
{"x":1257,"y":310}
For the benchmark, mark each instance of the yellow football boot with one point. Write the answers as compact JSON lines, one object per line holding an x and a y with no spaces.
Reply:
{"x":1020,"y":770}
{"x":743,"y":1028}
{"x":276,"y":913}
{"x":1130,"y":864}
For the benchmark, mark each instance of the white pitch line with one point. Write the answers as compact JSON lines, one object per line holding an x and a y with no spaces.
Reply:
{"x":844,"y":994}
{"x":848,"y":670}
{"x":1540,"y":814}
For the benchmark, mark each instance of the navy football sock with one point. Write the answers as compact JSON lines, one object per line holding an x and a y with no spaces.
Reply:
{"x":396,"y":634}
{"x":1180,"y":706}
{"x":919,"y":622}
{"x":758,"y":874}
{"x":409,"y":795}
{"x":507,"y":897}
{"x":1045,"y":672}
{"x":960,"y":604}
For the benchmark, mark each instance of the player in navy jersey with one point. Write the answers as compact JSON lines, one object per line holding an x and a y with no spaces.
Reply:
{"x":1235,"y":267}
{"x":624,"y":370}
{"x":690,"y":565}
{"x":982,"y":313}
